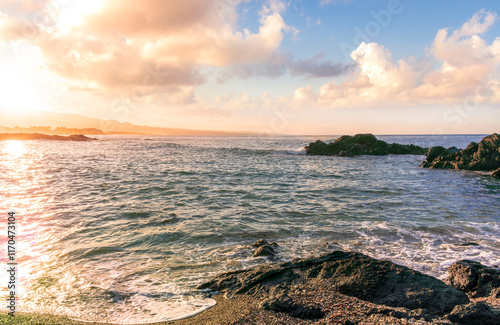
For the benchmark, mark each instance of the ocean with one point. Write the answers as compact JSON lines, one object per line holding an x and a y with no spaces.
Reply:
{"x":123,"y":229}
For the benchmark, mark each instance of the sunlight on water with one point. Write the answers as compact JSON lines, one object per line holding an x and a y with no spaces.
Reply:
{"x":123,"y":229}
{"x":23,"y":192}
{"x":13,"y":149}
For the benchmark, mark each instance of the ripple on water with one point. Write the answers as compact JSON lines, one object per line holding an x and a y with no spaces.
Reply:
{"x":123,"y":229}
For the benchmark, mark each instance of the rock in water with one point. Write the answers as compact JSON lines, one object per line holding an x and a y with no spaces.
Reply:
{"x":484,"y":155}
{"x":260,"y":242}
{"x":354,"y":274}
{"x":264,"y":248}
{"x":496,"y":173}
{"x":361,"y":144}
{"x":474,"y":278}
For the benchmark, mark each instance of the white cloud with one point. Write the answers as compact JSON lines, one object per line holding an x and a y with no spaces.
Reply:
{"x":466,"y":63}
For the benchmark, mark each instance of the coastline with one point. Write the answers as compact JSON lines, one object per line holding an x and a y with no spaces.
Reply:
{"x":39,"y":136}
{"x":243,"y":310}
{"x":336,"y":288}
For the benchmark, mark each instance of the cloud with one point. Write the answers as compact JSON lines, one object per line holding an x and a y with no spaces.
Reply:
{"x":16,"y":28}
{"x":274,"y":67}
{"x":329,"y":2}
{"x":304,"y":95}
{"x":24,"y":7}
{"x":150,"y":42}
{"x":281,"y":63}
{"x":111,"y":63}
{"x":466,"y":67}
{"x":317,"y":67}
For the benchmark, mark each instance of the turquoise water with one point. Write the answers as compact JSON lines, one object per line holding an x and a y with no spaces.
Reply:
{"x":124,"y":228}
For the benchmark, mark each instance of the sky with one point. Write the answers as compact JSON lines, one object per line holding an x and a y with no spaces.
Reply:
{"x":273,"y":66}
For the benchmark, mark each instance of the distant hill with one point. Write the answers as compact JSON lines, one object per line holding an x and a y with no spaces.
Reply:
{"x":50,"y":131}
{"x":62,"y":123}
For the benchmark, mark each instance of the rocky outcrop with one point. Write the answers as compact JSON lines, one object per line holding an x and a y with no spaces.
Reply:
{"x":475,"y":279}
{"x":361,"y":144}
{"x":38,"y":136}
{"x":353,"y":274}
{"x":265,"y":249}
{"x":484,"y":155}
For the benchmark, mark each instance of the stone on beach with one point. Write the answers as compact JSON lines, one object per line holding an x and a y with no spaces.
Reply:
{"x":474,"y":278}
{"x":474,"y":313}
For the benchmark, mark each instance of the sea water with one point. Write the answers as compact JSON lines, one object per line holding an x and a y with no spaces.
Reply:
{"x":123,"y":229}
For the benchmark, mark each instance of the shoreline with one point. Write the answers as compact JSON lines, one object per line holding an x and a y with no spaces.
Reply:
{"x":336,"y":288}
{"x":239,"y":310}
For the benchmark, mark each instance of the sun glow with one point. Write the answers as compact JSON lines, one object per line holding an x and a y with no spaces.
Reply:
{"x":73,"y":13}
{"x":18,"y":91}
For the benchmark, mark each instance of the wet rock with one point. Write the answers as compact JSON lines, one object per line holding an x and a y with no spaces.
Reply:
{"x":474,"y":278}
{"x":354,"y":274}
{"x":266,"y":250}
{"x":496,"y":173}
{"x":469,"y":244}
{"x":361,"y":144}
{"x":484,"y":155}
{"x":260,"y":242}
{"x":263,"y":242}
{"x":474,"y":313}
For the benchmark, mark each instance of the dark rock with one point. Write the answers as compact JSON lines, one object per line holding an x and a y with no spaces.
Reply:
{"x":474,"y":278}
{"x":263,"y":242}
{"x":260,"y":242}
{"x":361,"y":144}
{"x":474,"y":313}
{"x":266,"y":250}
{"x":482,"y":156}
{"x":383,"y":282}
{"x":469,"y":244}
{"x":496,"y":173}
{"x":257,"y":280}
{"x":435,"y":152}
{"x":354,"y":274}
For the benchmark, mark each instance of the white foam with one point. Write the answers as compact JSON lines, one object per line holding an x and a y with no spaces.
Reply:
{"x":298,"y":151}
